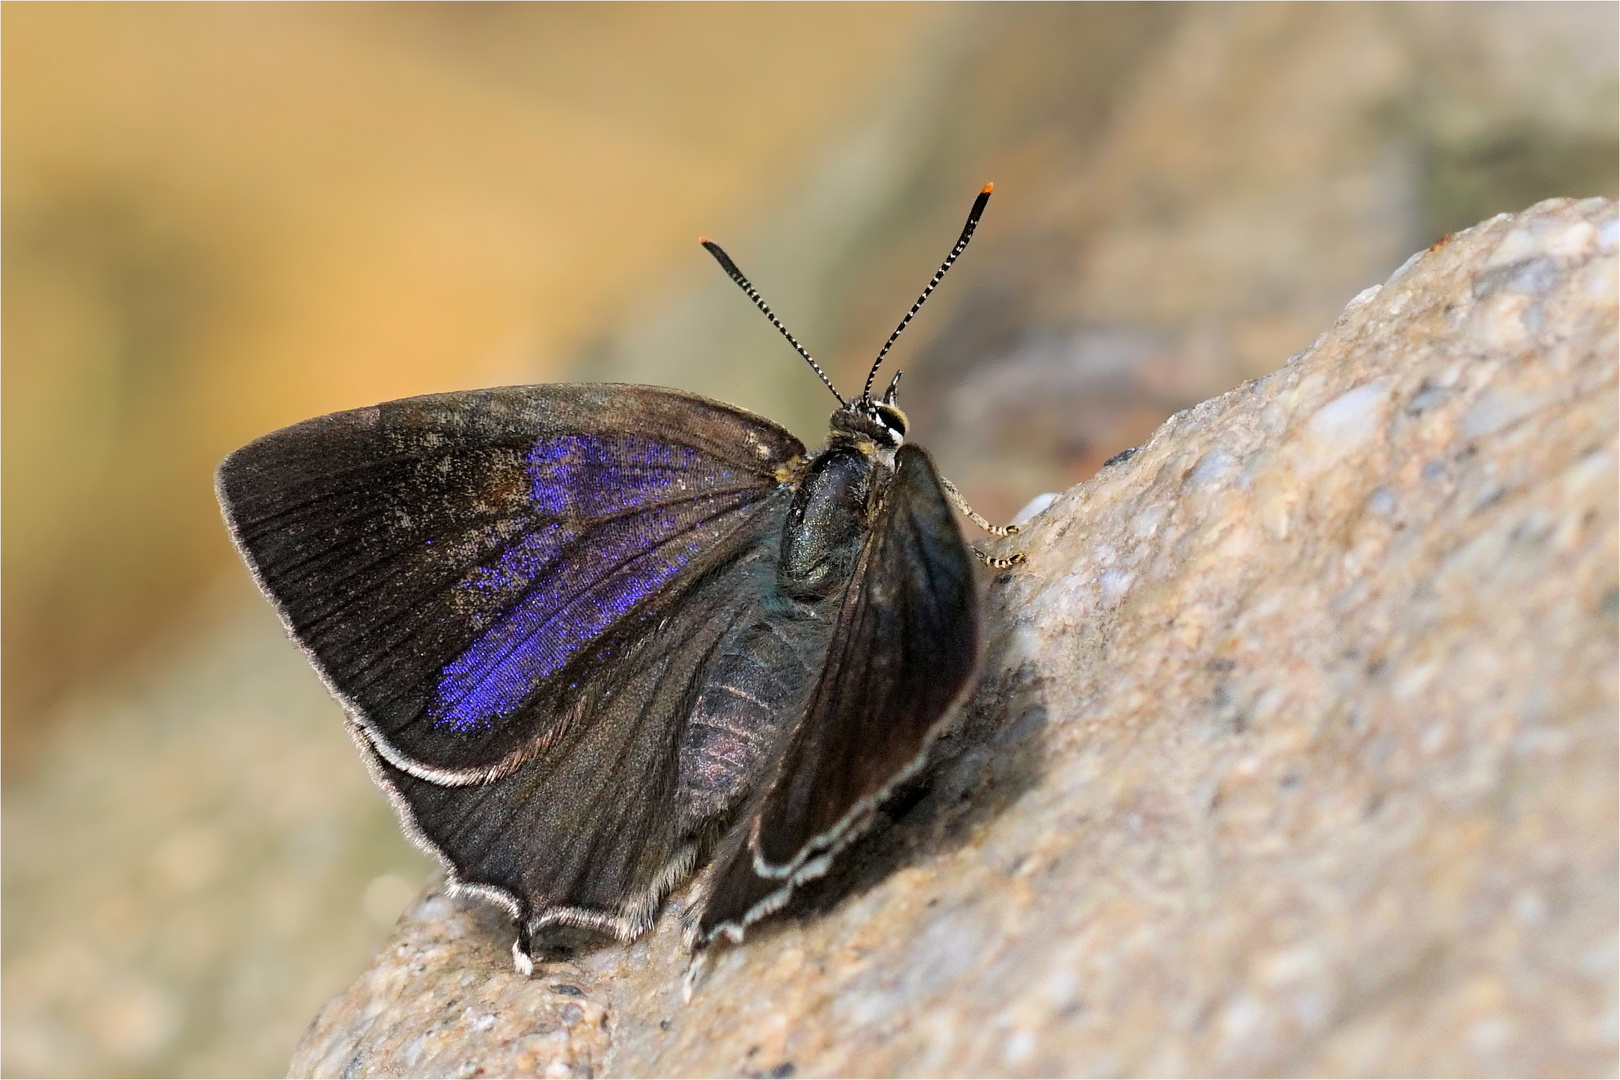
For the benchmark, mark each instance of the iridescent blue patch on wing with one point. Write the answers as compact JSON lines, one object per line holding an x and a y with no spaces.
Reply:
{"x":518,"y":564}
{"x":588,"y":475}
{"x":614,"y":522}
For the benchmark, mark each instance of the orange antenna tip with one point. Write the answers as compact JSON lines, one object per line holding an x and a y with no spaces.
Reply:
{"x":703,"y":239}
{"x":987,"y":189}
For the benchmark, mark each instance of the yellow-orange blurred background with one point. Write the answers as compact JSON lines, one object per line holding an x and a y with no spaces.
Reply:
{"x":219,"y":219}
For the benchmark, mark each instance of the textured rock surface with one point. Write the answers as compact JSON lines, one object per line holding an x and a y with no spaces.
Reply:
{"x":1294,"y":751}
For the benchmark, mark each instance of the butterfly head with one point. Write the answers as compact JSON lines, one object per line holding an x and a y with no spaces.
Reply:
{"x":880,"y":420}
{"x":877,"y":420}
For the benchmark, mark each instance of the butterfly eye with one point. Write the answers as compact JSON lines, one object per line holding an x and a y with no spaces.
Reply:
{"x":892,"y":420}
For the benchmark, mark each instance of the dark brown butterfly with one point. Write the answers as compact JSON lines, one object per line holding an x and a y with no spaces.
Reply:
{"x":589,"y":636}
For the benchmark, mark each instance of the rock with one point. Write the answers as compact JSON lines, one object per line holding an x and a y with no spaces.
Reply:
{"x":442,"y":999}
{"x":1294,"y":751}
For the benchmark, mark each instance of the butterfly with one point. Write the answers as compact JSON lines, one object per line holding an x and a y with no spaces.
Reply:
{"x":590,"y":636}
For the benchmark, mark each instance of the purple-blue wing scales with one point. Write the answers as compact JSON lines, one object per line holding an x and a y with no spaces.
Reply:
{"x":452,"y":563}
{"x":674,"y":726}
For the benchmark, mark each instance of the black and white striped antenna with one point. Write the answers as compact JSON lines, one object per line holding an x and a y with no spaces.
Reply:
{"x":866,"y":392}
{"x":759,"y":301}
{"x":961,"y":245}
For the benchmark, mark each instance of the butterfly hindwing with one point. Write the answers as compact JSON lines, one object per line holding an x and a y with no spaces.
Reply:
{"x":671,"y":729}
{"x":446,"y":560}
{"x":903,"y":646}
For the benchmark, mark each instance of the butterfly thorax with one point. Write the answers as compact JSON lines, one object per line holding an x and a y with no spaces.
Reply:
{"x":837,"y":496}
{"x":828,"y":519}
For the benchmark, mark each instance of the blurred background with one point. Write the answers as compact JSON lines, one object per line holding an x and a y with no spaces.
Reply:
{"x":220,"y":219}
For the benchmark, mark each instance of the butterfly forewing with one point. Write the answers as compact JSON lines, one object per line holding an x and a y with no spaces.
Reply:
{"x":448,"y":561}
{"x":551,"y":614}
{"x":903,"y":647}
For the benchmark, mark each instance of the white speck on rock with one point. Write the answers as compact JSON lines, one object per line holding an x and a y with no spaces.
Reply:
{"x":1415,"y":681}
{"x":1608,"y":236}
{"x":1382,"y":502}
{"x":1363,"y":297}
{"x":436,"y":907}
{"x":1212,"y":466}
{"x":1528,"y":906}
{"x":1349,"y":421}
{"x":1146,"y":523}
{"x":1434,"y":737}
{"x":1291,"y":965}
{"x":1115,"y":582}
{"x":1495,"y":410}
{"x":1019,"y":1048}
{"x":1572,"y":241}
{"x":1531,"y":236}
{"x":1241,"y":1019}
{"x":1490,"y":1035}
{"x":1035,"y":506}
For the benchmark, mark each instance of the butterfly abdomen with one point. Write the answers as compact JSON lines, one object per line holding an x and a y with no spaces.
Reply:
{"x":758,"y":680}
{"x":755,"y":685}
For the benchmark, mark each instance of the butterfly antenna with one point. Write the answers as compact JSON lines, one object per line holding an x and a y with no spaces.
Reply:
{"x":759,"y":301}
{"x":961,"y":245}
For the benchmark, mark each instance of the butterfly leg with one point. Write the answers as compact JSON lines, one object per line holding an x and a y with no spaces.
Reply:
{"x":973,"y":515}
{"x":997,"y":562}
{"x":694,"y":971}
{"x":522,"y":958}
{"x":994,"y":562}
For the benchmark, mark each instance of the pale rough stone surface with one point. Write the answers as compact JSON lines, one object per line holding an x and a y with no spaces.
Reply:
{"x":1294,"y":752}
{"x":442,"y":1000}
